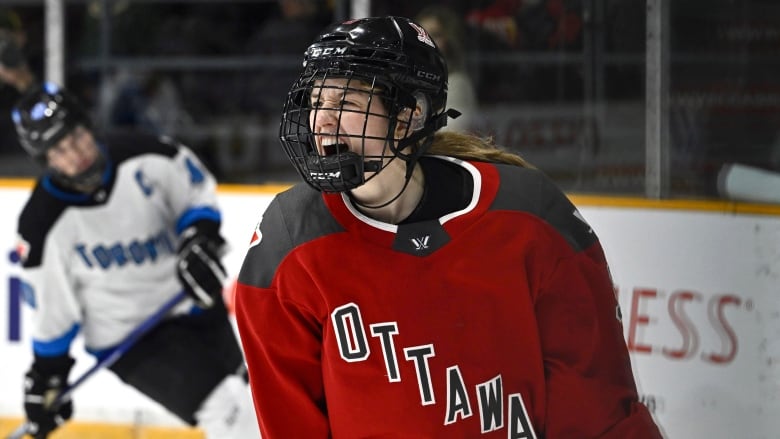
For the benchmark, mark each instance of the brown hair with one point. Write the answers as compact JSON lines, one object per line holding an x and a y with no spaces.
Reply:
{"x":470,"y":147}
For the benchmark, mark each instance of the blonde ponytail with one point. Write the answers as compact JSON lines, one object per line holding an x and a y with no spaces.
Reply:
{"x":470,"y":147}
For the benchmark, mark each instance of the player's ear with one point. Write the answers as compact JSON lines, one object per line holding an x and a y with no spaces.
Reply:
{"x":414,"y":118}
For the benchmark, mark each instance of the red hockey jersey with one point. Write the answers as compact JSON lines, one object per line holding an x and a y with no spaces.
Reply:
{"x":499,"y":320}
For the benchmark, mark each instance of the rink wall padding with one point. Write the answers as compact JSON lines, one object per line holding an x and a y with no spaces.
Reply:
{"x":697,"y":282}
{"x":99,"y":430}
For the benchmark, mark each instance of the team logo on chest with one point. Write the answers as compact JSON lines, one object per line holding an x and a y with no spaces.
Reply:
{"x":496,"y":410}
{"x":120,"y":254}
{"x":420,"y":239}
{"x":421,"y":243}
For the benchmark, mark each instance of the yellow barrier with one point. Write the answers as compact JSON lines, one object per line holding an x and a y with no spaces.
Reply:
{"x":96,"y":430}
{"x":581,"y":200}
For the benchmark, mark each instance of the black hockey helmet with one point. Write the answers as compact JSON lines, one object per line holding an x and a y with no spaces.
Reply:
{"x":44,"y":115}
{"x":400,"y":64}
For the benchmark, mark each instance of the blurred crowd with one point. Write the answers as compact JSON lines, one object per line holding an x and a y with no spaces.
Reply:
{"x":559,"y":80}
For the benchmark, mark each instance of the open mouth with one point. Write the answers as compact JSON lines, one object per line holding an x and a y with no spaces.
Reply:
{"x":333,"y":148}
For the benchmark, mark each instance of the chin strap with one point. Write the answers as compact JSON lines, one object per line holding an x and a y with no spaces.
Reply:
{"x":426,"y":135}
{"x":438,"y":122}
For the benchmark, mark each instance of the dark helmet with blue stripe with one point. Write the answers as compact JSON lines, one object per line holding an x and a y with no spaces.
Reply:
{"x":44,"y":115}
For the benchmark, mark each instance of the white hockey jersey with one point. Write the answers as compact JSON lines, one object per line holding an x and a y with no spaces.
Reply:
{"x":101,"y":263}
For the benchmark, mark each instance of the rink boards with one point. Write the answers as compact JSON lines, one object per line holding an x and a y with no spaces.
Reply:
{"x":696,"y":280}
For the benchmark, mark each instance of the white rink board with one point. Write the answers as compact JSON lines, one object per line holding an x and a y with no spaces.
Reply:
{"x":698,"y":297}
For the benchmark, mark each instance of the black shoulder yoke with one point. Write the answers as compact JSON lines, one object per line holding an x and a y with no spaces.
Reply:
{"x":36,"y":220}
{"x":294,"y":217}
{"x":529,"y":190}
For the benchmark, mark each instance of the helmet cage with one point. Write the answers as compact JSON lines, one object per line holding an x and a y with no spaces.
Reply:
{"x":339,"y":170}
{"x":375,"y":57}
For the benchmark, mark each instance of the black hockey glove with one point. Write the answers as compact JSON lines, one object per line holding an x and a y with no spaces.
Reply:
{"x":199,"y":268}
{"x":43,"y":382}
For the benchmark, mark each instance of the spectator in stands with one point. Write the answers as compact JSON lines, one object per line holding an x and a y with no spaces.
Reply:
{"x":286,"y":34}
{"x":15,"y":75}
{"x":447,"y":30}
{"x":512,"y":26}
{"x":149,"y":101}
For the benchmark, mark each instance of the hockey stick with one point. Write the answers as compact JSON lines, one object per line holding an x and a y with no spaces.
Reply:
{"x":111,"y":358}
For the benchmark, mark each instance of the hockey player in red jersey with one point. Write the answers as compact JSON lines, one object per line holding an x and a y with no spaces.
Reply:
{"x":422,"y":284}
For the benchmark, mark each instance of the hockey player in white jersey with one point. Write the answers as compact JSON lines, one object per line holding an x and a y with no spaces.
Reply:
{"x":114,"y":228}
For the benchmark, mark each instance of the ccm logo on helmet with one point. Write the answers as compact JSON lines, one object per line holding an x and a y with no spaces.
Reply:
{"x":325,"y":175}
{"x":427,"y":75}
{"x":317,"y":52}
